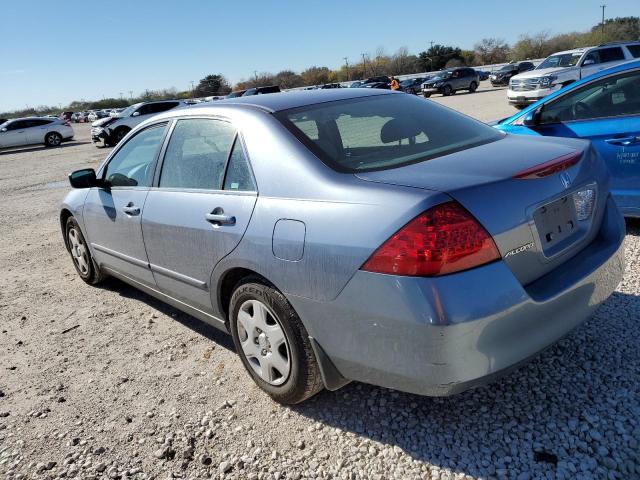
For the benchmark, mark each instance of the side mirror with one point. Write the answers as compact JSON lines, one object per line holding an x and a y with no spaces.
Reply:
{"x":85,"y":178}
{"x":532,"y":119}
{"x":135,"y":114}
{"x":588,"y":61}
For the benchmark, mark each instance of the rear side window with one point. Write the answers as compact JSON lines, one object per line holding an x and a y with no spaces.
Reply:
{"x":634,"y":50}
{"x":197,"y":154}
{"x":239,"y":177}
{"x":380,"y":132}
{"x":611,"y":54}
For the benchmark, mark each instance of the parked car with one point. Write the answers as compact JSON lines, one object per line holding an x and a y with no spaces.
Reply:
{"x":348,"y":260}
{"x":411,"y":85}
{"x":108,"y":132}
{"x":261,"y":90}
{"x":603,"y":108}
{"x":330,"y":85}
{"x":563,"y":68}
{"x":449,"y":81}
{"x":49,"y":131}
{"x":80,"y":117}
{"x":2,"y":120}
{"x":237,"y":93}
{"x":356,"y":84}
{"x":96,"y":115}
{"x":378,"y":79}
{"x":66,"y":116}
{"x":483,"y":75}
{"x":502,"y":76}
{"x":115,"y":111}
{"x":381,"y":85}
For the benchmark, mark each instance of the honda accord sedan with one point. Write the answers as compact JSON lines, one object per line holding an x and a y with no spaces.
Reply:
{"x":354,"y":234}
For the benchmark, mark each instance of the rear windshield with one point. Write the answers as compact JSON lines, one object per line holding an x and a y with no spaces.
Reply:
{"x":381,"y":132}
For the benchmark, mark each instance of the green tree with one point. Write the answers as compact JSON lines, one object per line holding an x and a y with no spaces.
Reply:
{"x":436,"y":57}
{"x":212,"y":85}
{"x":315,"y":75}
{"x":288,"y":79}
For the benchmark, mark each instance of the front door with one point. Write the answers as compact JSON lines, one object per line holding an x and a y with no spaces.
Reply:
{"x":112,"y":214}
{"x":607,"y":112}
{"x":15,"y":134}
{"x":200,"y":210}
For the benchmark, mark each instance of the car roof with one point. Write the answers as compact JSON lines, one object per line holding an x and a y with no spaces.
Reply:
{"x":573,"y":50}
{"x":274,"y":102}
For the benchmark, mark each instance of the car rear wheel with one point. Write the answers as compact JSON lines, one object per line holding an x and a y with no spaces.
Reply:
{"x":272,"y":342}
{"x":473,"y":87}
{"x":426,"y":95}
{"x":52,"y":139}
{"x":80,"y":254}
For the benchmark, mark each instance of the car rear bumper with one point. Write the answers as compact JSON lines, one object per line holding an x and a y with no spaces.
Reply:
{"x":440,"y":336}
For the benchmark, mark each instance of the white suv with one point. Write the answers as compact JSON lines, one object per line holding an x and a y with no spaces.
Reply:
{"x":563,"y":68}
{"x":109,"y":131}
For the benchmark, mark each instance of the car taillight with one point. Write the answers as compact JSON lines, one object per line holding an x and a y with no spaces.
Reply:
{"x":549,"y":168}
{"x":444,"y":239}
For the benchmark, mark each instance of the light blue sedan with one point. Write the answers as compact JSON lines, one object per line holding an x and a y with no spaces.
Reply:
{"x":603,"y":108}
{"x":354,"y":234}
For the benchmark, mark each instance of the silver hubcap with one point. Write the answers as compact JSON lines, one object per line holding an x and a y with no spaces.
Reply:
{"x":263,"y":342}
{"x":78,"y":251}
{"x":54,"y":140}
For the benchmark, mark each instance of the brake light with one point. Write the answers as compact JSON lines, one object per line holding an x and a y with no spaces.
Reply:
{"x":444,"y":239}
{"x":549,"y":168}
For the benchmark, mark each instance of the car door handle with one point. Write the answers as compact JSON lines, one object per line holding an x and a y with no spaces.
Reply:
{"x":624,"y":141}
{"x":217,"y":217}
{"x":131,"y":209}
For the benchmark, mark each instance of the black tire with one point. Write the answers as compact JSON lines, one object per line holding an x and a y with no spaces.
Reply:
{"x":119,"y":134}
{"x":426,"y":95}
{"x":473,"y":87}
{"x":447,"y":90}
{"x":52,"y":139}
{"x":304,"y":379}
{"x":91,"y":274}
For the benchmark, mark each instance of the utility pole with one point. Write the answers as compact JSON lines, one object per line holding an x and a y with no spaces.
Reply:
{"x":602,"y":25}
{"x":431,"y":44}
{"x":120,"y":95}
{"x":192,"y":88}
{"x":130,"y":94}
{"x":364,"y":66}
{"x":346,"y":62}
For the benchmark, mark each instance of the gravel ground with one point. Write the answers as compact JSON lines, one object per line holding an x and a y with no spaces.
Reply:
{"x":109,"y":383}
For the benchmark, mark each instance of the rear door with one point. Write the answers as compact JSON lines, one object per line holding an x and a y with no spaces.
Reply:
{"x":607,"y":112}
{"x":112,"y":215}
{"x":37,"y":130}
{"x":200,"y":209}
{"x":602,"y":58}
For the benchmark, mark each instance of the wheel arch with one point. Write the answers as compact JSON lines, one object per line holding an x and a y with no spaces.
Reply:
{"x":65,"y":213}
{"x":227,"y":283}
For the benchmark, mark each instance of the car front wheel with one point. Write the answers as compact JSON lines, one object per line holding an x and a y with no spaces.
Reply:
{"x":473,"y":87}
{"x":272,"y":342}
{"x":80,"y":254}
{"x":447,"y":90}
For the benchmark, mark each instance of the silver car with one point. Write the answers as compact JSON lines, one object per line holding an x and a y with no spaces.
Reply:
{"x":49,"y":131}
{"x":354,"y":234}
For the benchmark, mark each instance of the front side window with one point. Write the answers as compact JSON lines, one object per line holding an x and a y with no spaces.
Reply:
{"x":607,"y":97}
{"x":132,"y":165}
{"x":197,"y":153}
{"x":591,"y":58}
{"x":380,"y":132}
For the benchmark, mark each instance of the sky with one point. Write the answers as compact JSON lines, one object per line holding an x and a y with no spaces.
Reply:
{"x":54,"y":52}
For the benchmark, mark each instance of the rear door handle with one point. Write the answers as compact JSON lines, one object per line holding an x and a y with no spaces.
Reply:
{"x":624,"y":141}
{"x":217,"y":217}
{"x":131,"y":209}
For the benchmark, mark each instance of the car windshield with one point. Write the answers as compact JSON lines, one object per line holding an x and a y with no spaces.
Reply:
{"x":508,"y":68}
{"x":129,"y":110}
{"x":381,"y":132}
{"x":563,"y":60}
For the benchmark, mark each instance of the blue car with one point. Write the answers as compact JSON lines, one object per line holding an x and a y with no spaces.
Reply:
{"x":603,"y":108}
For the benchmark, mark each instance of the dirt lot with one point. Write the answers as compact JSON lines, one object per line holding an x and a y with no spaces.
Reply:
{"x":107,"y":382}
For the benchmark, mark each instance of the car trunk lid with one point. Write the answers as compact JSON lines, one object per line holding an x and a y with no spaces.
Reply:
{"x":532,"y":220}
